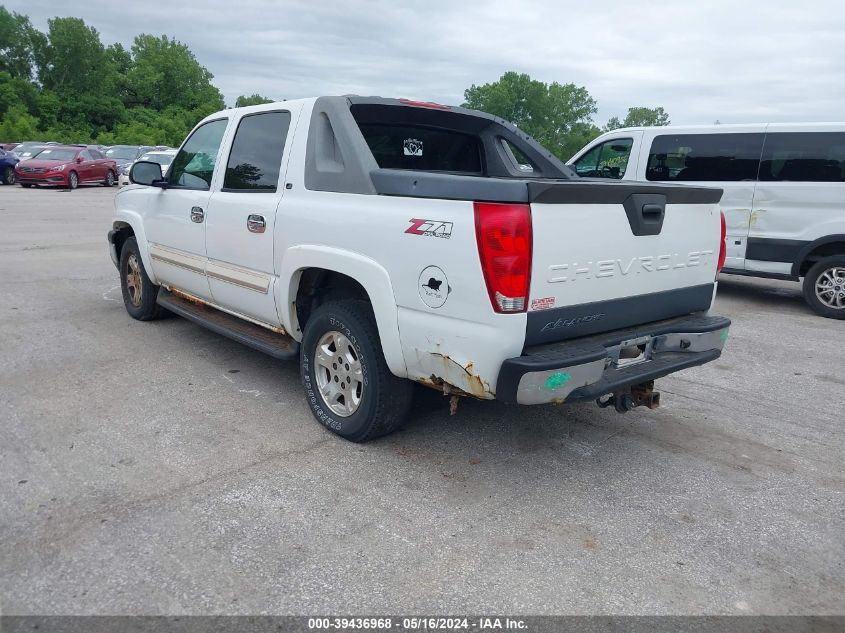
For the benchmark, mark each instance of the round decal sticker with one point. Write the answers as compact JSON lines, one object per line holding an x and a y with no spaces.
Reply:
{"x":433,"y":286}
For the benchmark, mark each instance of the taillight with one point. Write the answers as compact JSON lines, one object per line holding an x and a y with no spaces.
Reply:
{"x":504,"y":245}
{"x":424,"y":104}
{"x":723,"y":244}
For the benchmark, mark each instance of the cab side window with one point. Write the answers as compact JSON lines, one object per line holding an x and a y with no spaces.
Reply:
{"x":608,"y":160}
{"x":705,"y":157}
{"x":193,"y":166}
{"x":804,"y":157}
{"x":256,"y":157}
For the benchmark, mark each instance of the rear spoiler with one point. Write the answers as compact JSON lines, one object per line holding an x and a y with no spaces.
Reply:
{"x":419,"y":184}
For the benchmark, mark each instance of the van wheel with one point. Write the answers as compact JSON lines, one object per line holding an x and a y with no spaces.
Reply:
{"x":347,"y":382}
{"x":824,"y":287}
{"x":139,"y":293}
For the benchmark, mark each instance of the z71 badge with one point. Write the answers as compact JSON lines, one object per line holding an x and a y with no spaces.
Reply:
{"x":431,"y":228}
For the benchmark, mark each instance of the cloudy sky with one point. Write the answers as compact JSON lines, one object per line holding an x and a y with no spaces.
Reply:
{"x":738,"y":61}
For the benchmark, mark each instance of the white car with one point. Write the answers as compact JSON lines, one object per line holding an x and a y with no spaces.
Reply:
{"x":784,"y":193}
{"x":380,"y":242}
{"x":163,"y":157}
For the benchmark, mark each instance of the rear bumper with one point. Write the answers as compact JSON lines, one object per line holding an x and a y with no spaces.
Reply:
{"x":589,"y":367}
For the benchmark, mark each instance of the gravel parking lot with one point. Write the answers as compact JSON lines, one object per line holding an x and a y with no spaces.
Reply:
{"x":161,"y":469}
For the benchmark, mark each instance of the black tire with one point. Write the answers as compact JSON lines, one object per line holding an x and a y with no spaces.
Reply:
{"x":814,"y":275}
{"x":384,"y":400}
{"x":72,"y":180}
{"x":26,"y":185}
{"x":110,"y":179}
{"x":143,"y":308}
{"x":9,"y":175}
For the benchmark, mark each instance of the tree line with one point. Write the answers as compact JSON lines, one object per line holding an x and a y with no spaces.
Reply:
{"x":65,"y":85}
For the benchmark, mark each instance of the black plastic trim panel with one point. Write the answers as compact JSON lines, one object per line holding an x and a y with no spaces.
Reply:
{"x":587,"y":191}
{"x":421,"y":184}
{"x":757,"y":273}
{"x":558,"y":324}
{"x":763,"y":249}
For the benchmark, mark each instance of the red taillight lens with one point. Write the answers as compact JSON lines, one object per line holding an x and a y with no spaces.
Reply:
{"x":723,"y":244}
{"x":424,"y":104}
{"x":504,"y":245}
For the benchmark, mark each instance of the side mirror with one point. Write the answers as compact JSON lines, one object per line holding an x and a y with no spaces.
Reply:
{"x":148,"y":173}
{"x":79,"y":159}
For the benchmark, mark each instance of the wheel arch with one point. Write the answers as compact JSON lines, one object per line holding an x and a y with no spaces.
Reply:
{"x":326,"y":272}
{"x":816,"y":250}
{"x":128,"y":224}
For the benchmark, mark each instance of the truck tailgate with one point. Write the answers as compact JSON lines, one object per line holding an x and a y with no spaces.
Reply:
{"x":612,"y":255}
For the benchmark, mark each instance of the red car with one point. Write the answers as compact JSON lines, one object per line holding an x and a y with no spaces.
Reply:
{"x":67,"y":166}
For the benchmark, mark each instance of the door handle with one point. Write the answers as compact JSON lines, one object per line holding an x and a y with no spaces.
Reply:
{"x":256,"y":223}
{"x":197,"y":215}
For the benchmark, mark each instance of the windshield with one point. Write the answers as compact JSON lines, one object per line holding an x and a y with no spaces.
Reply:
{"x":56,"y":154}
{"x":129,"y":153}
{"x":161,"y":159}
{"x":28,"y":147}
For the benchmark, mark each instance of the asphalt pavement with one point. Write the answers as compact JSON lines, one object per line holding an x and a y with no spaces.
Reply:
{"x":157,"y":468}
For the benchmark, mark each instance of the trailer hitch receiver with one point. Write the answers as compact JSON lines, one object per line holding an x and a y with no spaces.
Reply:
{"x":641,"y":395}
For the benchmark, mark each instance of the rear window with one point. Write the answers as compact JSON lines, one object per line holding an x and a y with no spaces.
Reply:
{"x":698,"y":157}
{"x":804,"y":157}
{"x":423,"y":148}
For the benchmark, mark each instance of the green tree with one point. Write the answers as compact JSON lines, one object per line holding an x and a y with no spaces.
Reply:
{"x":16,"y":91}
{"x":558,"y":116}
{"x":17,"y":125}
{"x":165,"y":72}
{"x":254,"y":99}
{"x":16,"y":44}
{"x":71,"y":59}
{"x":639,"y":116}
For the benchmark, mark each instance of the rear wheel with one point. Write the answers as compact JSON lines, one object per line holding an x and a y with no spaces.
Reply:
{"x":824,"y":287}
{"x":72,"y":180}
{"x":347,"y":382}
{"x":139,"y":293}
{"x":109,"y":181}
{"x":9,"y":176}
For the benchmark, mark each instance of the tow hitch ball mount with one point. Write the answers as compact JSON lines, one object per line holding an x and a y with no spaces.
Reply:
{"x":641,"y":395}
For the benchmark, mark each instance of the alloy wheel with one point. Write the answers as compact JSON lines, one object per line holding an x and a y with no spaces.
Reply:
{"x":830,"y":287}
{"x":133,"y":279}
{"x":338,"y":372}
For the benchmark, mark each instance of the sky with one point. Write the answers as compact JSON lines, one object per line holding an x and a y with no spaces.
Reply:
{"x":735,"y":62}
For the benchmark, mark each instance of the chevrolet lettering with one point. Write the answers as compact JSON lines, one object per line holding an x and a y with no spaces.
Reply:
{"x":635,"y":265}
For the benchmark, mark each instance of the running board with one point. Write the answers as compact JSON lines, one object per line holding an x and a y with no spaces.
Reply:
{"x":276,"y":345}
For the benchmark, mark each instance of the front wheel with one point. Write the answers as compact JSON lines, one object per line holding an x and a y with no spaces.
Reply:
{"x":824,"y":287}
{"x":72,"y":180}
{"x":9,"y":176}
{"x":347,"y":382}
{"x":139,"y":293}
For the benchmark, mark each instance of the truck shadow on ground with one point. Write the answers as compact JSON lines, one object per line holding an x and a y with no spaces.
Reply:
{"x":762,"y":292}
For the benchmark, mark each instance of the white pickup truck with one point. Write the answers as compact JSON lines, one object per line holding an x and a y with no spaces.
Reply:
{"x":384,"y":241}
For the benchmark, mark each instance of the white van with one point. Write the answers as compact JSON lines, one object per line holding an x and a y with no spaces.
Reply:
{"x":784,"y":192}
